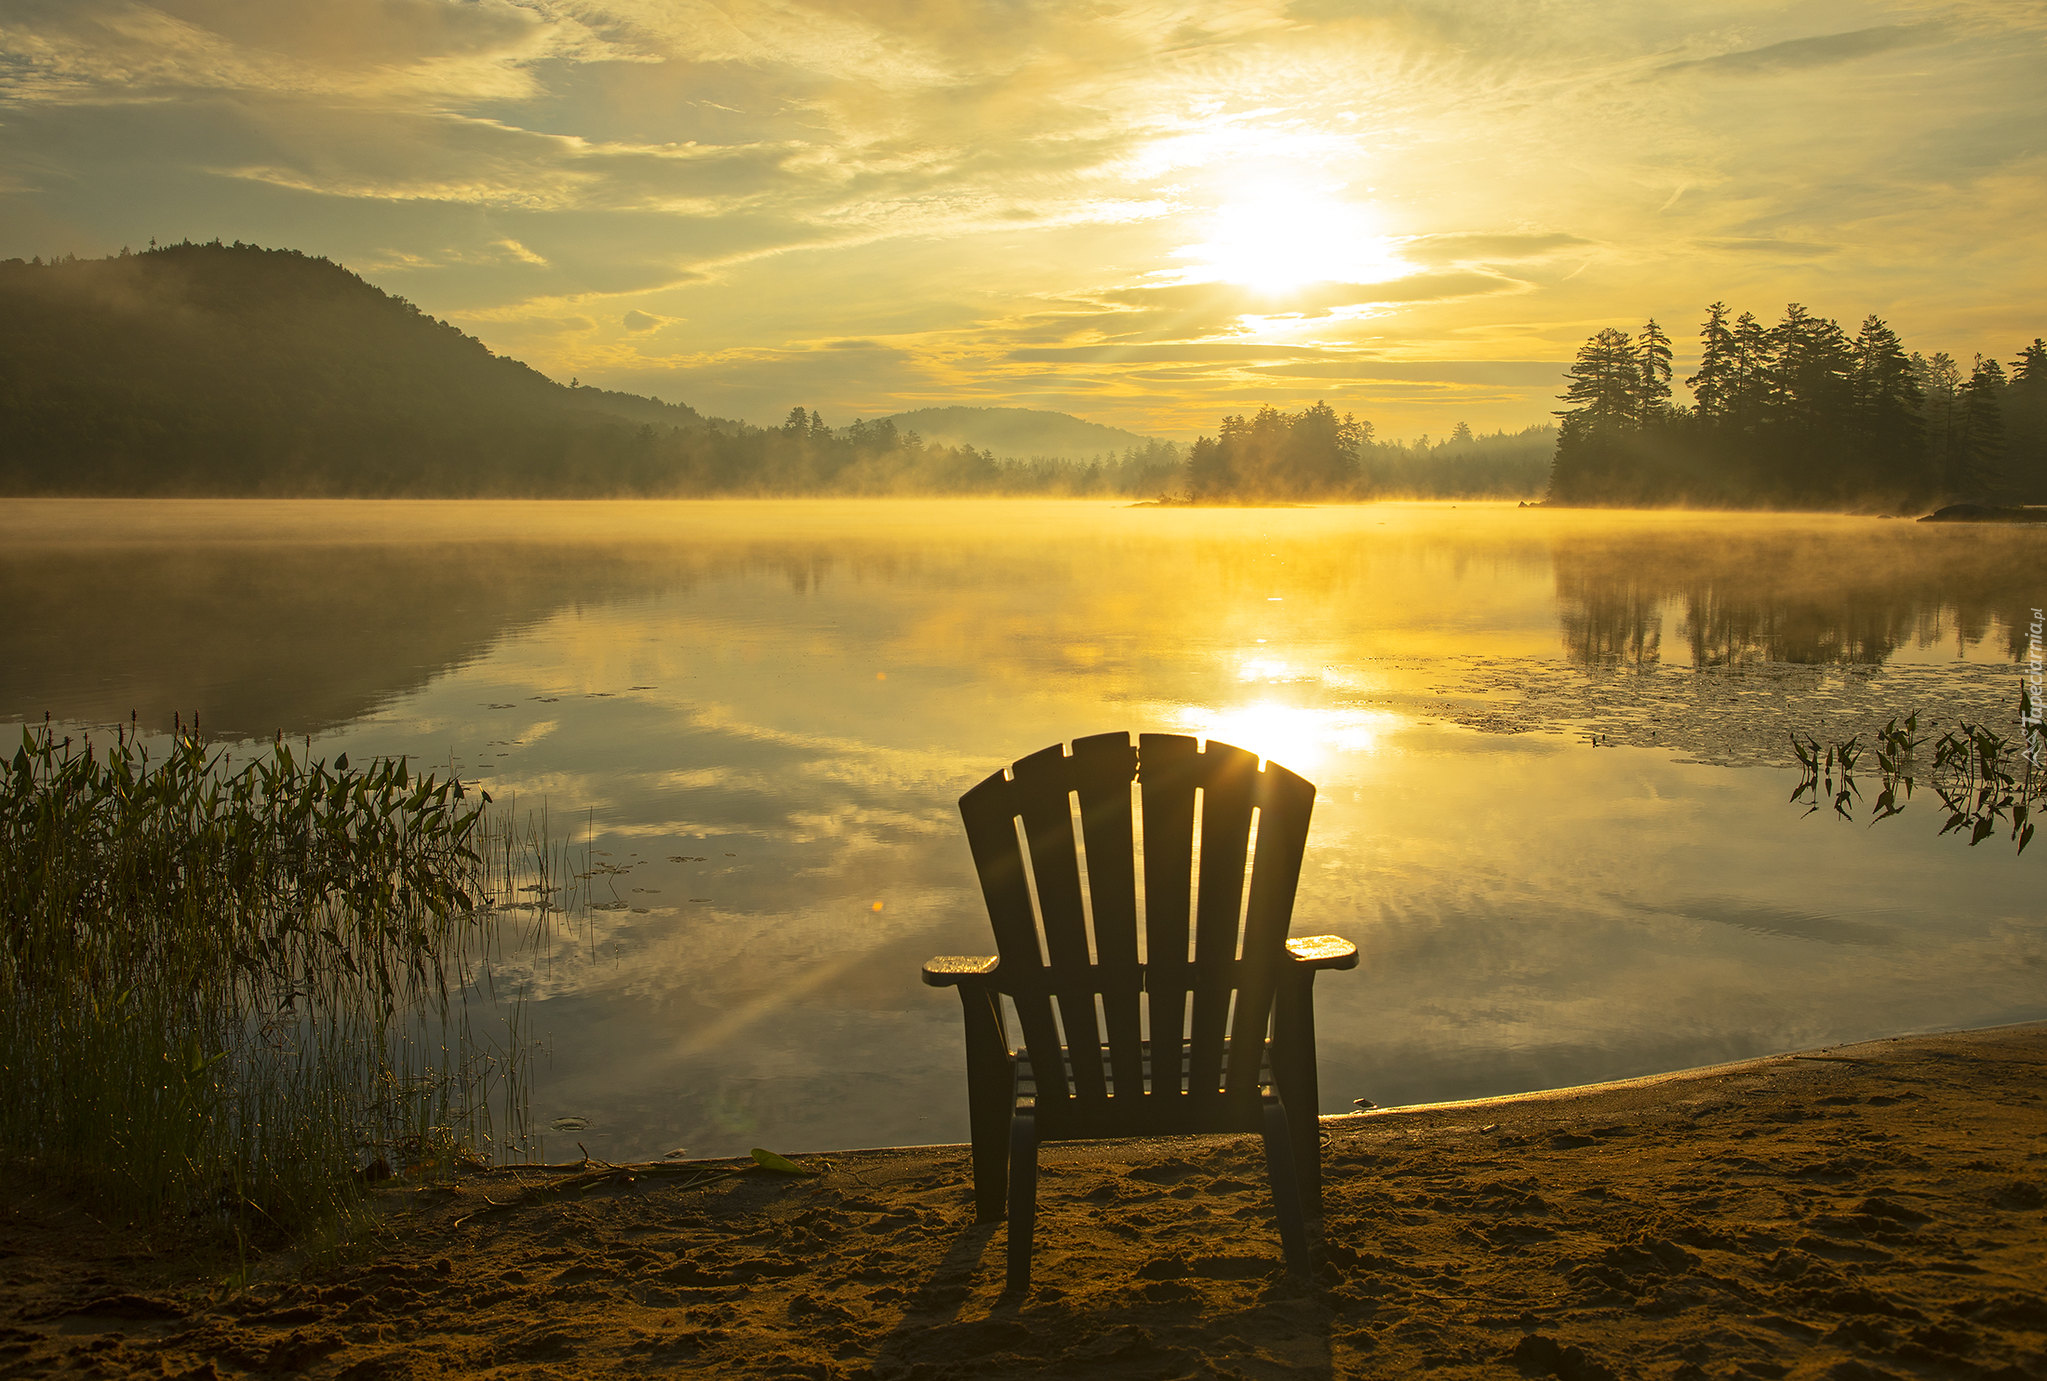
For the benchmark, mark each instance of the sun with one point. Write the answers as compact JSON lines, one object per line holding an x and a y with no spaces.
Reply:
{"x":1278,"y":236}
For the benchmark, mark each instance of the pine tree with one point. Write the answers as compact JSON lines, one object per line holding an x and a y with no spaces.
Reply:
{"x":1939,"y":381}
{"x":1752,"y":376}
{"x":1813,"y":363}
{"x":1652,"y":365}
{"x":1979,"y":442}
{"x":1713,"y":387}
{"x":2030,"y":368}
{"x":2025,"y":422}
{"x":1887,"y":425}
{"x":1810,"y":407}
{"x":1606,"y":382}
{"x":1592,"y":460}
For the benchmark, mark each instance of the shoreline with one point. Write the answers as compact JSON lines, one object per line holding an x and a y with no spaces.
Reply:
{"x":1856,"y":1211}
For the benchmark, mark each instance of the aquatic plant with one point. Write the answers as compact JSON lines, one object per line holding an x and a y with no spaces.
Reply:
{"x":223,"y":988}
{"x":1985,"y":780}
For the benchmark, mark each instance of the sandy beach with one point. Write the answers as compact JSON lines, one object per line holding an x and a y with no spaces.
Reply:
{"x":1865,"y":1211}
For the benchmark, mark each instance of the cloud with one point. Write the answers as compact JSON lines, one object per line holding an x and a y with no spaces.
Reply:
{"x":1500,"y":373}
{"x":125,"y":50}
{"x":1170,"y":312}
{"x":493,"y":254}
{"x":1823,"y":50}
{"x":1168,"y":353}
{"x":1469,"y":247}
{"x":1769,"y":245}
{"x":391,"y":156}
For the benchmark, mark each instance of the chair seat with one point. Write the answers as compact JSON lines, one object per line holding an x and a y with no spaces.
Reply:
{"x":1155,"y":1109}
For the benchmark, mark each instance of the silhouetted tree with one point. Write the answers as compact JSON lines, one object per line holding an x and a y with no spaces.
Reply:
{"x":1887,"y":426}
{"x":1754,"y":375}
{"x":1979,"y":441}
{"x":1652,"y":365}
{"x":2025,"y":423}
{"x":1797,"y":414}
{"x":1278,"y":455}
{"x":1606,"y":382}
{"x":1714,"y":386}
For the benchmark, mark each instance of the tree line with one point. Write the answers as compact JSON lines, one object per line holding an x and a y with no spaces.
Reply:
{"x":1798,"y":415}
{"x":1315,"y":455}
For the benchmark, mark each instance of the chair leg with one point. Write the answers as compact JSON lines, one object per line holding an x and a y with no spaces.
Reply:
{"x":1286,"y":1187}
{"x":1293,"y":1077}
{"x":1023,"y":1195}
{"x":991,"y":1092}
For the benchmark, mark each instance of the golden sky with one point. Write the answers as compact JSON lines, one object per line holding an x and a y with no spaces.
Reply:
{"x":1147,"y":214}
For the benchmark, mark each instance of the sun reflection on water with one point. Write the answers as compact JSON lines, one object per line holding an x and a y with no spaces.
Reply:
{"x":1302,"y":738}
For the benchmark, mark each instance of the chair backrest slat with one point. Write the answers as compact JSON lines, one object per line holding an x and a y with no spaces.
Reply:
{"x":989,"y":812}
{"x":1168,"y":773}
{"x":1103,"y":767}
{"x":1285,"y":803}
{"x":1042,"y":790}
{"x":1232,"y":966}
{"x":1228,"y":794}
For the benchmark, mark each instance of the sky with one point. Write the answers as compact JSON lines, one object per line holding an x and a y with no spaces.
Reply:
{"x":1146,"y":214}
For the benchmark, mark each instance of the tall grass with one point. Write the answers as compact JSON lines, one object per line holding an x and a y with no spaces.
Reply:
{"x":225,"y":989}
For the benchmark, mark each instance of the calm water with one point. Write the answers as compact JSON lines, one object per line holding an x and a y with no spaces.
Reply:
{"x":1552,"y":809}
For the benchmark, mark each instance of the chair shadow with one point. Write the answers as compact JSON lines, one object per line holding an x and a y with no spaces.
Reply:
{"x":935,"y":1304}
{"x":1080,"y":1335}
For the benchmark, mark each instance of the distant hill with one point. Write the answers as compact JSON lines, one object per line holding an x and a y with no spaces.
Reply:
{"x":237,"y":370}
{"x":231,"y":369}
{"x":1022,"y":432}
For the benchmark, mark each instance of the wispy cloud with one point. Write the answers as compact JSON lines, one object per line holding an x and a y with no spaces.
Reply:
{"x":1821,"y":50}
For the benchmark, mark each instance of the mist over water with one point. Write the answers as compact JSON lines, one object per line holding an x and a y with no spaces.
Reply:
{"x":758,"y":716}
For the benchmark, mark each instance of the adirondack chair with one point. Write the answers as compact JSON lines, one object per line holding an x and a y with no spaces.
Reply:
{"x":1216,"y":1035}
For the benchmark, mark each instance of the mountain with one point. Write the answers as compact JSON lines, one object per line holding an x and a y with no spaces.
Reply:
{"x":232,"y":369}
{"x":1021,"y":432}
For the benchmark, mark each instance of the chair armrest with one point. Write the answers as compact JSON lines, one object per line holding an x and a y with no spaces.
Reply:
{"x":951,"y":970}
{"x":1315,"y":952}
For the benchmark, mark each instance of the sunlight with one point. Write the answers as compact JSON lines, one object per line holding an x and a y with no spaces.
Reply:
{"x":1298,"y":737}
{"x":1267,"y":669}
{"x":1280,"y":235}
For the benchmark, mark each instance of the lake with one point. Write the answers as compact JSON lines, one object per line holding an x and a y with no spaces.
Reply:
{"x":1550,"y":748}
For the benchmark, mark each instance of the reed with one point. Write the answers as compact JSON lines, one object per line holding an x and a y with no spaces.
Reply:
{"x":224,"y":989}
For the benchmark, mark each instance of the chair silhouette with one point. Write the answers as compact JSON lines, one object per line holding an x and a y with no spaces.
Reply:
{"x":1208,"y":1029}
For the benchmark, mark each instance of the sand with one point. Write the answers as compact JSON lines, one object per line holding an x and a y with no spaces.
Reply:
{"x":1860,"y":1212}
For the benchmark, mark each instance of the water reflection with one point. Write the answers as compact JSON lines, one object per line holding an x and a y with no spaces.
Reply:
{"x":757,"y":718}
{"x":301,"y":617}
{"x":1825,"y":591}
{"x":1304,"y":737}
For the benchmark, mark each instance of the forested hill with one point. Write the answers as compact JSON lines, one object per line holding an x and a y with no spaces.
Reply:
{"x":236,"y":370}
{"x":218,"y":369}
{"x":1019,"y":432}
